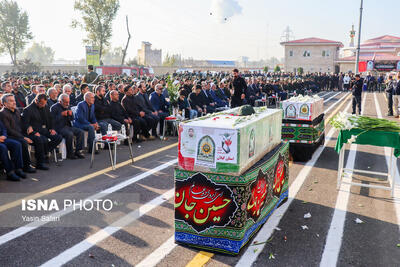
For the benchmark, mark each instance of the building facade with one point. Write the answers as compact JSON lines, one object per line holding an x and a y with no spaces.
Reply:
{"x":149,"y":57}
{"x":377,"y":54}
{"x":311,"y":54}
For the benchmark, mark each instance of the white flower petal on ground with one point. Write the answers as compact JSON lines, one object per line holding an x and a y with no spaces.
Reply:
{"x":358,"y":220}
{"x":307,"y":216}
{"x":305,"y":227}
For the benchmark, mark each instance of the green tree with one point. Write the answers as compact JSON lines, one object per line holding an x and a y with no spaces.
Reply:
{"x":266,"y":68}
{"x":39,"y":53}
{"x":277,"y":68}
{"x":169,"y":61}
{"x":97,"y":18}
{"x":14,"y":29}
{"x":300,"y":70}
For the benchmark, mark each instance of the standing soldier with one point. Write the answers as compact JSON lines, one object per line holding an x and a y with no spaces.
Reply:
{"x":91,"y":76}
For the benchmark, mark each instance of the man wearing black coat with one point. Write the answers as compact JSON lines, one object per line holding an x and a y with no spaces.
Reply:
{"x":11,"y":118}
{"x":132,"y":109}
{"x":38,"y":125}
{"x":238,"y":86}
{"x":196,"y":101}
{"x":357,"y":90}
{"x":146,"y":110}
{"x":63,"y":118}
{"x":102,"y":111}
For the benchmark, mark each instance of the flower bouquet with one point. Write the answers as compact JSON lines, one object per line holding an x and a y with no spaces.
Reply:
{"x":346,"y":121}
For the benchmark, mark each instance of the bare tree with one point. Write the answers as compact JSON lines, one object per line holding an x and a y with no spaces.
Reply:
{"x":127,"y":42}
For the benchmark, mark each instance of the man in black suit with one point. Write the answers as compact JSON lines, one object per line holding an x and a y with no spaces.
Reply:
{"x":196,"y":101}
{"x":11,"y":118}
{"x":146,"y":110}
{"x":131,"y":107}
{"x":38,"y":125}
{"x":63,"y":118}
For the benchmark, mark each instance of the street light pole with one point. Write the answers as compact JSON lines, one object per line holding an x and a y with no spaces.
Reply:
{"x":359,"y":38}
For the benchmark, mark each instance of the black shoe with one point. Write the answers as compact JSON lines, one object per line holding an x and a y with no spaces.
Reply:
{"x":29,"y":169}
{"x":389,"y":115}
{"x":11,"y":176}
{"x":46,"y":160}
{"x":71,"y":156}
{"x":136,"y":140}
{"x":20,"y":173}
{"x":79,"y":155}
{"x":42,"y":167}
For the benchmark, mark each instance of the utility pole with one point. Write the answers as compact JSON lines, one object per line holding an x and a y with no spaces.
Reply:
{"x":359,"y":38}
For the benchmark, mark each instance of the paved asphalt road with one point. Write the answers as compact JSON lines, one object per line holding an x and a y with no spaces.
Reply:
{"x":333,"y":237}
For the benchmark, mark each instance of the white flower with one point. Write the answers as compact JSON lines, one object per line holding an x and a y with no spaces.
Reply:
{"x":352,"y":139}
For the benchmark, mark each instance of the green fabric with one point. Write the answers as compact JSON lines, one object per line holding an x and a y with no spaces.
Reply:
{"x":373,"y":138}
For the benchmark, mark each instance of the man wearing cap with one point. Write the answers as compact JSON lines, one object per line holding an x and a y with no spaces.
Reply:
{"x":25,"y":87}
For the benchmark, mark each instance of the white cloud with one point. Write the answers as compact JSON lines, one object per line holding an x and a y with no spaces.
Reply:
{"x":222,"y":10}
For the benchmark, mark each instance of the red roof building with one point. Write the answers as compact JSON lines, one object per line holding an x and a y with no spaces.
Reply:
{"x":381,"y":50}
{"x":311,"y":54}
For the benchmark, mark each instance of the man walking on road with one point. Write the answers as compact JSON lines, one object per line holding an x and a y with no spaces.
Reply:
{"x":357,"y":90}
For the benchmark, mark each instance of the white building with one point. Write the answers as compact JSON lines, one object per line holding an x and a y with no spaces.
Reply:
{"x":311,"y":54}
{"x":149,"y":57}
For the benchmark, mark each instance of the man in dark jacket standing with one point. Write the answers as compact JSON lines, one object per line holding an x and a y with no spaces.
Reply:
{"x":62,"y":115}
{"x":396,"y":97}
{"x":11,"y":118}
{"x":390,"y":86}
{"x":38,"y":125}
{"x":357,"y":90}
{"x":238,"y":86}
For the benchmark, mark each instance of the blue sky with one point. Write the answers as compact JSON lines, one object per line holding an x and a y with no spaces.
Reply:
{"x":186,"y":26}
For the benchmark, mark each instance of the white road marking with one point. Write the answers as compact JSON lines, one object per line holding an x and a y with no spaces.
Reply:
{"x":335,"y":232}
{"x":251,"y":255}
{"x":32,"y":226}
{"x":331,"y":97}
{"x":396,"y":171}
{"x":92,"y":240}
{"x":160,"y":253}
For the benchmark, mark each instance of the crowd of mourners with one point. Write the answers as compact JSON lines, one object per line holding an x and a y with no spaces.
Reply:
{"x":39,"y":110}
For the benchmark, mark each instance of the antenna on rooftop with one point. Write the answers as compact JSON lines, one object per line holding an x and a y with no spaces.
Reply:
{"x":287,"y":35}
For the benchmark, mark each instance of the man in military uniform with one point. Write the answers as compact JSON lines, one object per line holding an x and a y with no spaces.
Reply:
{"x":91,"y":76}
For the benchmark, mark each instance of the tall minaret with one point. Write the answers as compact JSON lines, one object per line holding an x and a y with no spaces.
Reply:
{"x":352,"y":35}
